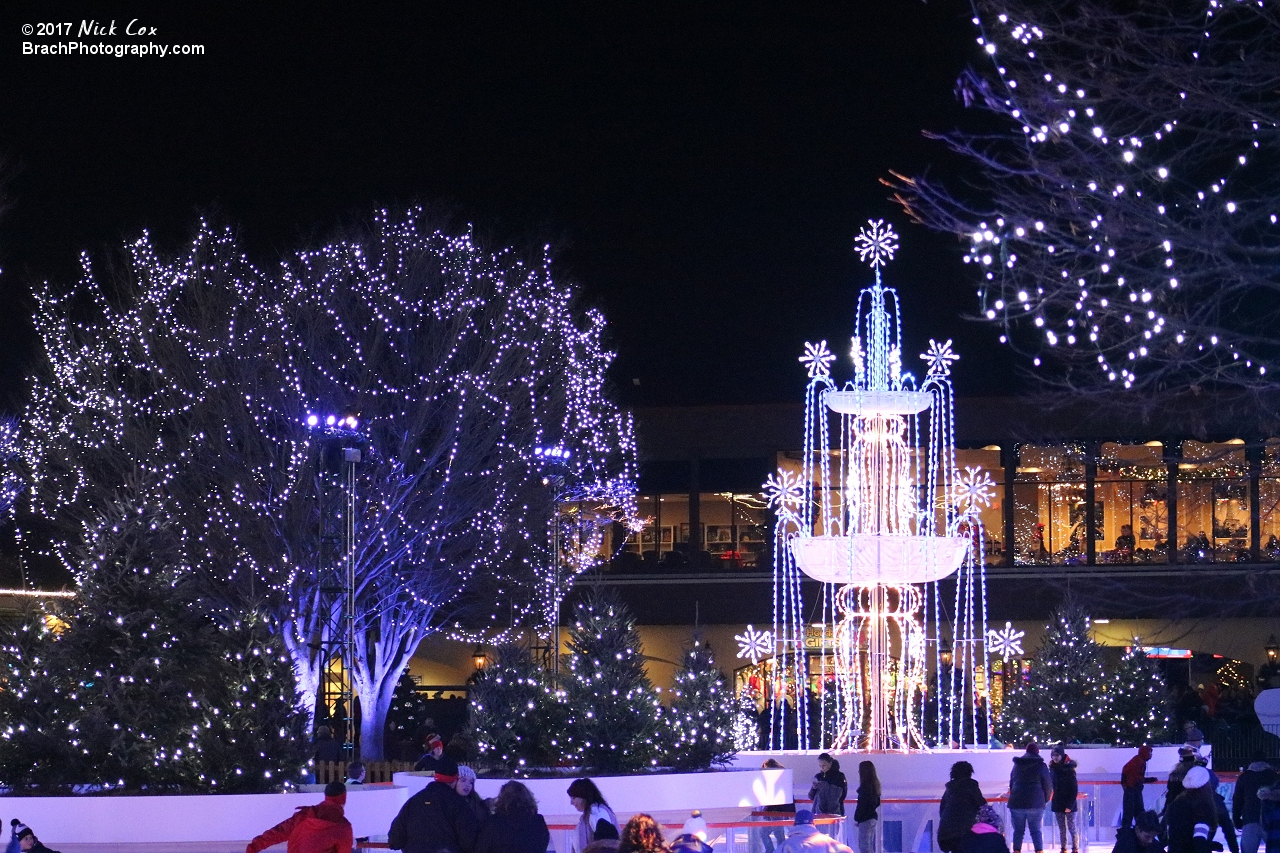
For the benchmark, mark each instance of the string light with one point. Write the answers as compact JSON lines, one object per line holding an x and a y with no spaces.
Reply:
{"x":1107,"y":190}
{"x":458,"y":363}
{"x":891,"y":519}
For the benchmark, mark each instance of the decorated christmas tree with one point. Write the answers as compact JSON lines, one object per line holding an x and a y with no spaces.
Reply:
{"x":1137,"y":702}
{"x":613,"y":713}
{"x":700,"y":721}
{"x":517,"y":716}
{"x":1063,"y":697}
{"x":406,"y":721}
{"x":746,"y":725}
{"x":137,"y":686}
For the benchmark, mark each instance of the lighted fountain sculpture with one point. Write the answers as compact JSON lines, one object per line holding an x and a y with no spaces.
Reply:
{"x":879,"y":518}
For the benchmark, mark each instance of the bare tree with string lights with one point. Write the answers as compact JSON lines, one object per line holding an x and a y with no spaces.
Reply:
{"x":1119,"y":190}
{"x":460,"y":365}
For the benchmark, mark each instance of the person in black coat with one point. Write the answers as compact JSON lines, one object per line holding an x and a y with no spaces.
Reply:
{"x":961,"y":800}
{"x":1246,"y":808}
{"x":1062,"y":770}
{"x":1193,"y":816}
{"x":829,"y":788}
{"x":436,"y":819}
{"x":985,"y":835}
{"x":867,"y":812}
{"x":515,"y":825}
{"x":1030,"y":787}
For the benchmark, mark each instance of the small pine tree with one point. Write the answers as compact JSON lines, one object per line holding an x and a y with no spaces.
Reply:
{"x":613,"y":711}
{"x":516,"y":715}
{"x":1063,"y":698}
{"x":1137,"y":708}
{"x":700,"y":721}
{"x":746,"y":724}
{"x":406,"y":718}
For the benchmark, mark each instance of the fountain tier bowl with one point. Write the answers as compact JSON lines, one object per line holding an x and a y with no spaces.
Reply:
{"x":865,"y":559}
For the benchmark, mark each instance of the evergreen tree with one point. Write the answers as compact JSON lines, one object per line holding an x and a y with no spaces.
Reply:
{"x":1137,"y":706}
{"x":613,"y":712}
{"x":406,"y":718}
{"x":746,"y":725}
{"x":1063,"y":697}
{"x":137,"y":686}
{"x":516,"y":715}
{"x":703,"y":712}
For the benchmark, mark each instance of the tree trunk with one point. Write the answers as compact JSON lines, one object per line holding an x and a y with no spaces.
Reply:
{"x":382,"y":655}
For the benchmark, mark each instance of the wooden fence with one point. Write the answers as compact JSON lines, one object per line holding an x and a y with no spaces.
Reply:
{"x":376,"y":772}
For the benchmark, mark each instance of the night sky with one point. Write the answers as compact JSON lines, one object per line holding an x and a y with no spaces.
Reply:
{"x":700,"y":168}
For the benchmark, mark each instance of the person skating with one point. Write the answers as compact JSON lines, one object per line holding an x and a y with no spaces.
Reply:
{"x":1192,"y":817}
{"x":1246,"y":808}
{"x":961,"y":800}
{"x":866,"y":813}
{"x":598,"y":822}
{"x":1269,"y":815}
{"x":1142,"y":837}
{"x":1132,"y":778}
{"x":986,"y":835}
{"x":515,"y":825}
{"x":830,"y":788}
{"x":1062,"y":769}
{"x":322,"y":828}
{"x":1030,"y":786}
{"x":436,"y":819}
{"x":804,"y":837}
{"x":24,"y":838}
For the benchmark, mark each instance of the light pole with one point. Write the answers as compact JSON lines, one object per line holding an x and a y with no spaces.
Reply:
{"x":341,"y":448}
{"x":554,"y":458}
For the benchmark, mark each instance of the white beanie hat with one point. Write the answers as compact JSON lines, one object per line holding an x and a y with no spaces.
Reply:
{"x":1197,"y":777}
{"x":695,"y":825}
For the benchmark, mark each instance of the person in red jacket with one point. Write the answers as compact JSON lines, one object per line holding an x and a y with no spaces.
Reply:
{"x":321,"y":828}
{"x":1132,"y":777}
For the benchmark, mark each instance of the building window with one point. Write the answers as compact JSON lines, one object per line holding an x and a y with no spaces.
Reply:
{"x":1213,"y":503}
{"x":1269,"y":502}
{"x":1131,"y":497}
{"x":987,"y":460}
{"x":1049,"y":512}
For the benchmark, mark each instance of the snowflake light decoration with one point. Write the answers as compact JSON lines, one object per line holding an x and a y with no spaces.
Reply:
{"x":754,"y":645}
{"x":876,"y":243}
{"x":784,"y":490}
{"x":939,"y":358}
{"x":1006,"y":642}
{"x":974,"y":489}
{"x":817,"y":359}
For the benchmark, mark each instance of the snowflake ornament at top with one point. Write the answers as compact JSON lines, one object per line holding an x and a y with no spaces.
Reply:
{"x":754,"y":645}
{"x":973,"y":489}
{"x":876,"y":243}
{"x":817,"y":359}
{"x":784,"y":490}
{"x":939,"y":358}
{"x":1007,"y":642}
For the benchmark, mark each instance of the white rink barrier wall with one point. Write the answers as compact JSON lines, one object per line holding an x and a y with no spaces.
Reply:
{"x":736,"y":788}
{"x":240,"y":817}
{"x":193,"y":818}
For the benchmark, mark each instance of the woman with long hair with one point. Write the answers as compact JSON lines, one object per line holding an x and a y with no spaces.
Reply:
{"x":642,"y":835}
{"x":867,"y":812}
{"x":598,"y":820}
{"x":515,"y":826}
